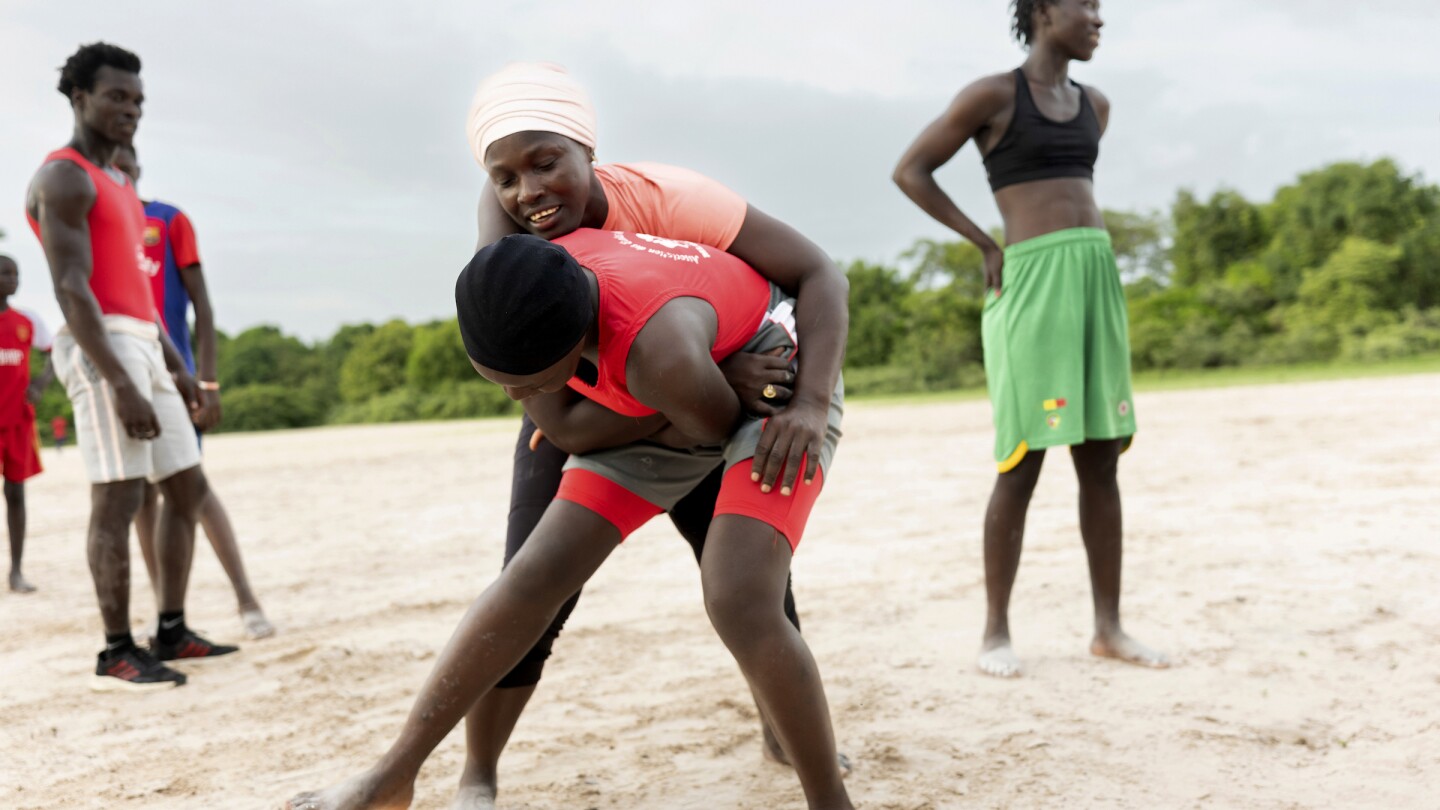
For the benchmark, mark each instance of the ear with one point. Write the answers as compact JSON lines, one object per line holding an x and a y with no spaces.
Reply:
{"x":1042,"y":14}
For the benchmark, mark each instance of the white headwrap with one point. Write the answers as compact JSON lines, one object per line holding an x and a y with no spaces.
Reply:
{"x":529,"y":96}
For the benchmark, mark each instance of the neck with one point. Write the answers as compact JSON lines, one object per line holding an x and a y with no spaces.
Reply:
{"x":4,"y":303}
{"x":597,"y":210}
{"x":95,"y":147}
{"x":1047,"y":65}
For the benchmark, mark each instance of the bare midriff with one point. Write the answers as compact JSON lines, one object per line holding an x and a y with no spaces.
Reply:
{"x":1044,"y":206}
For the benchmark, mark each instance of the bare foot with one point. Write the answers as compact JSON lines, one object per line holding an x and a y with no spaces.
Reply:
{"x":1121,"y":647}
{"x":772,"y":751}
{"x":997,"y":658}
{"x":477,"y":792}
{"x":255,"y":624}
{"x":474,"y":797}
{"x":19,"y":584}
{"x":363,"y":792}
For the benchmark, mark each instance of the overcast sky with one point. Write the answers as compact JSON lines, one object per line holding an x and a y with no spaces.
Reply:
{"x":319,"y":147}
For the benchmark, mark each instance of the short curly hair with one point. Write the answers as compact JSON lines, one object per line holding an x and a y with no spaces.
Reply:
{"x":1023,"y":26}
{"x":80,"y":69}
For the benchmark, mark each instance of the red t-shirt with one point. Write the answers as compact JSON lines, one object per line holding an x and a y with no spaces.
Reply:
{"x":117,"y":224}
{"x":20,"y":330}
{"x":176,"y":236}
{"x":638,"y":274}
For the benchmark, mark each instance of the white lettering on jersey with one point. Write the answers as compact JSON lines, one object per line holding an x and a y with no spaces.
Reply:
{"x":673,"y":246}
{"x":150,"y":267}
{"x":11,"y":357}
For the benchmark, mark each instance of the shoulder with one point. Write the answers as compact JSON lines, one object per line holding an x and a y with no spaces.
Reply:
{"x":995,"y":90}
{"x":981,"y":101}
{"x":1097,"y":98}
{"x":37,"y":324}
{"x":62,"y":180}
{"x":162,"y":209}
{"x":662,"y":176}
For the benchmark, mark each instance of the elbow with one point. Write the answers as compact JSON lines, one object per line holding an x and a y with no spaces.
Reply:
{"x":713,"y":431}
{"x":569,"y":446}
{"x":910,"y":177}
{"x":902,"y":177}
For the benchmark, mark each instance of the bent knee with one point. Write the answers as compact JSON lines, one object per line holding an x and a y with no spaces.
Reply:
{"x":740,"y":615}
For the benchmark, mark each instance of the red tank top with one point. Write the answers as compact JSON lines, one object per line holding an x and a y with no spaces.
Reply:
{"x":638,"y":274}
{"x":117,"y":252}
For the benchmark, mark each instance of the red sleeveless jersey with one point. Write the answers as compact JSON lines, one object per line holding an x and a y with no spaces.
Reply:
{"x":638,"y":274}
{"x":117,"y":252}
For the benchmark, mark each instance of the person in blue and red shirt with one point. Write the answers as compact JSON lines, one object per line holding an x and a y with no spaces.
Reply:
{"x":20,"y":331}
{"x":172,"y":261}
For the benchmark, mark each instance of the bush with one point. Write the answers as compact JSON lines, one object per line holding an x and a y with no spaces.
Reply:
{"x":1418,"y":332}
{"x":450,"y":400}
{"x":376,"y":364}
{"x":270,"y":407}
{"x":437,"y":356}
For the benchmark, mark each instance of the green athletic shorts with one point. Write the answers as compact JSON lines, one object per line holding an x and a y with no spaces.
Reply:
{"x":1057,"y":346}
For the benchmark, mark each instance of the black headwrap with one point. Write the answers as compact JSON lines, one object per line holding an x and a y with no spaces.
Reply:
{"x":523,"y":304}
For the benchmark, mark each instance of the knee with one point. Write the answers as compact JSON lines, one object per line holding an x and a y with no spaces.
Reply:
{"x":186,"y":492}
{"x":741,"y":612}
{"x":1097,"y":463}
{"x":117,"y":502}
{"x":15,"y":494}
{"x":1019,"y":483}
{"x":530,"y":585}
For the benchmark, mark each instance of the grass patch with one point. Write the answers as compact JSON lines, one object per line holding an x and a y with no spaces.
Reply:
{"x":1182,"y":379}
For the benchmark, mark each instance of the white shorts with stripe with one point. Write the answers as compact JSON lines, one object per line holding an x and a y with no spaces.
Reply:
{"x":110,"y":453}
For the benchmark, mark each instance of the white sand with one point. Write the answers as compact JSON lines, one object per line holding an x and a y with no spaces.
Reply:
{"x":1282,"y":544}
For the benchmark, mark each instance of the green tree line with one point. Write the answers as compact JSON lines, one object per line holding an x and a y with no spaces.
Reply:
{"x":1343,"y":264}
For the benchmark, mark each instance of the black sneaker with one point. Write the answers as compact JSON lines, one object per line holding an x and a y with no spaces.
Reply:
{"x":190,"y":647}
{"x":133,"y":670}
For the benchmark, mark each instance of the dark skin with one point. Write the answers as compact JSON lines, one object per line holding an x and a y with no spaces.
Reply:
{"x":1064,"y":31}
{"x":213,"y":516}
{"x":60,"y":198}
{"x":545,"y":184}
{"x":15,"y":490}
{"x":744,"y":572}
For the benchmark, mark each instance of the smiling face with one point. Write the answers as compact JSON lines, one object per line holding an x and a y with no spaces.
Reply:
{"x":545,"y":182}
{"x":545,"y":381}
{"x":1071,"y":26}
{"x":112,"y":107}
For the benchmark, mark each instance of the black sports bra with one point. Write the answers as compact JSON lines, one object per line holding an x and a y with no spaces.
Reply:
{"x":1036,"y":148}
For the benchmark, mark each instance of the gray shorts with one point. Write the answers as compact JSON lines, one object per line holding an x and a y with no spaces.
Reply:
{"x":663,"y":475}
{"x":110,"y":453}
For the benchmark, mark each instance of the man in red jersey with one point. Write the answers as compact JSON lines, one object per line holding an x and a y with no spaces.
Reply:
{"x":128,"y":384}
{"x":20,"y":331}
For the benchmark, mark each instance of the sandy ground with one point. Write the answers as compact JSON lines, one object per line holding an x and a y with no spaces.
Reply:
{"x":1282,"y":544}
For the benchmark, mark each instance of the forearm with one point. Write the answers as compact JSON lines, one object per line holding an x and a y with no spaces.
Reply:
{"x":173,"y":361}
{"x":582,"y":426}
{"x":205,"y":342}
{"x":921,"y":188}
{"x":822,"y":317}
{"x":709,"y":411}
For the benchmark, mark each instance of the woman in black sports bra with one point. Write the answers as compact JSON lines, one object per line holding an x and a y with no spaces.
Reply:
{"x":1055,"y":333}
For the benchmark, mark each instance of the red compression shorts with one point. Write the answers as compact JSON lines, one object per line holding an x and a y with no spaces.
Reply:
{"x":627,"y":511}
